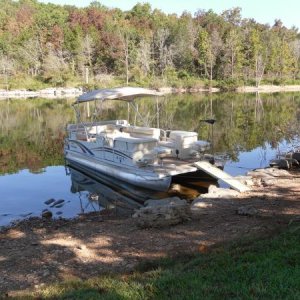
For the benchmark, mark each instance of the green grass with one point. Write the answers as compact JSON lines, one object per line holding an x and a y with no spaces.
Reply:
{"x":255,"y":269}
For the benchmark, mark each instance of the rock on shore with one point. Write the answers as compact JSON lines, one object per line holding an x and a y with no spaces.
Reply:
{"x":161,"y":213}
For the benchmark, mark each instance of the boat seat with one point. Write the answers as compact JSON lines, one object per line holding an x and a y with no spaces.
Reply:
{"x":136,"y":144}
{"x":97,"y":129}
{"x":140,"y":132}
{"x":117,"y":134}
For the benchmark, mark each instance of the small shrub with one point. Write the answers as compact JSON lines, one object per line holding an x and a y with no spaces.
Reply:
{"x":277,"y":81}
{"x":183,"y":74}
{"x":157,"y":83}
{"x":229,"y":85}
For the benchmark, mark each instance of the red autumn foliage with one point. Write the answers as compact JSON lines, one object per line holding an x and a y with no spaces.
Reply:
{"x":57,"y":37}
{"x":24,"y":16}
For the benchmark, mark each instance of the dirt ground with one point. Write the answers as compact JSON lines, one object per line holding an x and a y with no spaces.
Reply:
{"x":38,"y":251}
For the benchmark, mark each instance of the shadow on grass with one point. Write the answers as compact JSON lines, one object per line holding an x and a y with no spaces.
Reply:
{"x":249,"y":269}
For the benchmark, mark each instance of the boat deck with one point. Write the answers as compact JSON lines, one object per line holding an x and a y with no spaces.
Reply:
{"x":174,"y":166}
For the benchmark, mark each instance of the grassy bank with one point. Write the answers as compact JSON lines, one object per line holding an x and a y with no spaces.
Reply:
{"x":268,"y":268}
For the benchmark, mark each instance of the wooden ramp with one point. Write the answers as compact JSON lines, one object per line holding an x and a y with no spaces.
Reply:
{"x":219,"y":174}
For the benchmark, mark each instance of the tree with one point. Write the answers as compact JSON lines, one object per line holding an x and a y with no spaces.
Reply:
{"x":233,"y":16}
{"x":257,"y":55}
{"x":216,"y":46}
{"x":296,"y":53}
{"x":143,"y":59}
{"x":97,"y":5}
{"x":126,"y":36}
{"x":209,"y":48}
{"x":164,"y":50}
{"x":31,"y":54}
{"x":232,"y":54}
{"x":183,"y":35}
{"x":286,"y":60}
{"x":7,"y":67}
{"x":203,"y":51}
{"x":55,"y":66}
{"x":88,"y":49}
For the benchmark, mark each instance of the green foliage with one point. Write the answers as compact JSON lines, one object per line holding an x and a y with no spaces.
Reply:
{"x":157,"y":82}
{"x":230,"y":84}
{"x":266,"y":268}
{"x":182,"y":74}
{"x":42,"y":122}
{"x":194,"y":83}
{"x":49,"y":15}
{"x":203,"y":50}
{"x":27,"y":83}
{"x":54,"y":44}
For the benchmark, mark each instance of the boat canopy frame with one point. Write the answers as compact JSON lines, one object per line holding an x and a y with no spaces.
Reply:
{"x":127,"y":94}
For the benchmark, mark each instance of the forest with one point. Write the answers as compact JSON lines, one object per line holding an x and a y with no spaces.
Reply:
{"x":52,"y":45}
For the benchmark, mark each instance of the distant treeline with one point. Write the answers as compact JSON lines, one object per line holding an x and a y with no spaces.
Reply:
{"x":62,"y":45}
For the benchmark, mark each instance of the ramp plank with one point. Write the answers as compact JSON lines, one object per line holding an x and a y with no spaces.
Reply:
{"x":219,"y":174}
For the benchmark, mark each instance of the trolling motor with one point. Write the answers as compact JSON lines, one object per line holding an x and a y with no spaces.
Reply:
{"x":211,"y":122}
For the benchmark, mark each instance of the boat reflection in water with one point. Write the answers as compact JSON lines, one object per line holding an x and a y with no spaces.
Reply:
{"x":110,"y":196}
{"x":97,"y":195}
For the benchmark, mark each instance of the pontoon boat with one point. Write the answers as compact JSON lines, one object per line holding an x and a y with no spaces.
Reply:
{"x":143,"y":156}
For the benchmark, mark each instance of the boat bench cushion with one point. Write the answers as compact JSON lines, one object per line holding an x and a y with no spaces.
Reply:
{"x":109,"y":128}
{"x":140,"y":132}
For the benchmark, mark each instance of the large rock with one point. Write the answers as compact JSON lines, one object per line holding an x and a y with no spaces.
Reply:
{"x":247,"y":211}
{"x":49,"y":201}
{"x":215,"y":192}
{"x":269,"y":173}
{"x":206,"y":203}
{"x":281,"y":163}
{"x":47,"y":214}
{"x":246,"y":180}
{"x":161,"y":213}
{"x":268,"y":176}
{"x":200,"y":206}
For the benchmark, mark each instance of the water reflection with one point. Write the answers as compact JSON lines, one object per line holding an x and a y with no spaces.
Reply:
{"x":97,"y":192}
{"x":95,"y":195}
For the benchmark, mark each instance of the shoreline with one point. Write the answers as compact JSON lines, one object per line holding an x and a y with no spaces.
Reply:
{"x":268,"y":89}
{"x":56,"y":93}
{"x":95,"y":244}
{"x":241,"y":89}
{"x":49,"y":93}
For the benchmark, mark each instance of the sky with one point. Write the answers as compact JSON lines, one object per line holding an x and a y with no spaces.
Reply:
{"x":263,"y":11}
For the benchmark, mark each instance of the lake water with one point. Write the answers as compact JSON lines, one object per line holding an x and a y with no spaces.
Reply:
{"x":250,"y":131}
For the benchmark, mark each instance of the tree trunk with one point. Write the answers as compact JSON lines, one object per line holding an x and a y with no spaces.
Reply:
{"x":210,"y":76}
